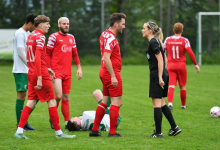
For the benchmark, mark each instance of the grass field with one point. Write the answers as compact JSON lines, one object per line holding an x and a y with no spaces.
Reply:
{"x":199,"y":130}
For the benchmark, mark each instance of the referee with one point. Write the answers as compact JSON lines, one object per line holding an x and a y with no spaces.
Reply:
{"x":159,"y":78}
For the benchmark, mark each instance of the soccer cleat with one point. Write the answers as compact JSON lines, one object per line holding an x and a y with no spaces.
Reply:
{"x":20,"y":136}
{"x":184,"y":107}
{"x":65,"y":135}
{"x":174,"y":132}
{"x":27,"y":127}
{"x":94,"y":133}
{"x":51,"y":125}
{"x":156,"y":135}
{"x":114,"y":135}
{"x":170,"y":107}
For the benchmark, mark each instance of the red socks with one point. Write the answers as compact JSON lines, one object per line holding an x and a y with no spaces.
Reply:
{"x":54,"y":117}
{"x":183,"y":97}
{"x":65,"y":108}
{"x":170,"y":95}
{"x":113,"y":114}
{"x":24,"y":116}
{"x":100,"y":112}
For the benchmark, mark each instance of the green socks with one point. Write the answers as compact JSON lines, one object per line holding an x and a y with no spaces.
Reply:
{"x":18,"y":108}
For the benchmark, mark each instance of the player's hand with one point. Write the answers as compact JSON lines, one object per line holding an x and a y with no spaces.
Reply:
{"x":161,"y":82}
{"x":52,"y":74}
{"x":39,"y":83}
{"x":197,"y":68}
{"x":79,"y":74}
{"x":114,"y":81}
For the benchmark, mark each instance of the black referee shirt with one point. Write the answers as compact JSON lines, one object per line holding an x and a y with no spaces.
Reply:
{"x":154,"y":47}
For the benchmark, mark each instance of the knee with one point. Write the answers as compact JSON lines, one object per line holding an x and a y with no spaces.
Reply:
{"x":58,"y":97}
{"x":65,"y":97}
{"x":182,"y":87}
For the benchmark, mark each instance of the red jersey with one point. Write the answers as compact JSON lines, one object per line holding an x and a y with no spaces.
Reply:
{"x":35,"y":42}
{"x":109,"y":44}
{"x":60,"y":51}
{"x":176,"y":47}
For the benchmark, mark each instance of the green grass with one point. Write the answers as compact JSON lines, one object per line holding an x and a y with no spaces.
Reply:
{"x":199,"y":130}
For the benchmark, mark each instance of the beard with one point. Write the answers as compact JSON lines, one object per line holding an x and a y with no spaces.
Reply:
{"x":64,"y":31}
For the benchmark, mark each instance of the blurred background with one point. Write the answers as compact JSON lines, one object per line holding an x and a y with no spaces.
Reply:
{"x":89,"y":18}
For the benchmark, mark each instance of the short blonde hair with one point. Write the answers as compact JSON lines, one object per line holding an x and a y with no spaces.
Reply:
{"x":178,"y":28}
{"x":62,"y":18}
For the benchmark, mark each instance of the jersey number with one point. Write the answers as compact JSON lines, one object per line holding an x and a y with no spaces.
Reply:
{"x":29,"y":53}
{"x":175,"y":50}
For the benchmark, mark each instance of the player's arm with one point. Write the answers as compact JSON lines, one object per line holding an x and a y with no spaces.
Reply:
{"x":108,"y":65}
{"x":77,"y":62}
{"x":166,"y":60}
{"x":191,"y":55}
{"x":40,"y":41}
{"x":21,"y":48}
{"x":50,"y":46}
{"x":156,"y":50}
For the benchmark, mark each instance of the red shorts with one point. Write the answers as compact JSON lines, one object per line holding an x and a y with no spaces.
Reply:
{"x":108,"y":89}
{"x":177,"y":72}
{"x":66,"y":81}
{"x":46,"y":92}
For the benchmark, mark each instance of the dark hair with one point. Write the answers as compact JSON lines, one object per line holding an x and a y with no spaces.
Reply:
{"x":116,"y":17}
{"x":41,"y":19}
{"x":178,"y":28}
{"x":72,"y":126}
{"x":30,"y":18}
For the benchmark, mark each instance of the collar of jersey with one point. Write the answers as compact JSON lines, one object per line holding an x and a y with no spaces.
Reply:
{"x":111,"y":32}
{"x":37,"y":30}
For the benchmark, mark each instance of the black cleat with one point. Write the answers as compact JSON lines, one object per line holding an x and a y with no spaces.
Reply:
{"x":174,"y":132}
{"x":114,"y":135}
{"x":184,"y":107}
{"x":27,"y":127}
{"x":51,"y":124}
{"x":156,"y":135}
{"x":94,"y":133}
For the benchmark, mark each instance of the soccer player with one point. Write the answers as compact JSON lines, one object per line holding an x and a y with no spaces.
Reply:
{"x":20,"y":69}
{"x":110,"y":75}
{"x":39,"y":78}
{"x":86,"y":121}
{"x":176,"y":46}
{"x":159,"y":78}
{"x":61,"y":48}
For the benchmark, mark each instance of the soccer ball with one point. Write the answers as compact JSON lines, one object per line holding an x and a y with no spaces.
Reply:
{"x":215,"y":112}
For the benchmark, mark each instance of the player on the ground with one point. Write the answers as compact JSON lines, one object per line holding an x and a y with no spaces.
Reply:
{"x":176,"y":47}
{"x":39,"y":78}
{"x":86,"y":121}
{"x":110,"y":75}
{"x":61,"y":48}
{"x":20,"y":69}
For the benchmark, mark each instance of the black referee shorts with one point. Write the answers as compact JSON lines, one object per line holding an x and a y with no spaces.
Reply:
{"x":156,"y":90}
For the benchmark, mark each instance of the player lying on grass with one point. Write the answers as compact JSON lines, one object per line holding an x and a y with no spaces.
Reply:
{"x":86,"y":121}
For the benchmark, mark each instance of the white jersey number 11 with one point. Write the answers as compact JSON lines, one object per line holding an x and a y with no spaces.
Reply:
{"x":175,"y":50}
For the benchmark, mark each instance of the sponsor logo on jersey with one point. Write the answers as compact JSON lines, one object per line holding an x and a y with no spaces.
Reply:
{"x":71,"y":41}
{"x":61,"y":40}
{"x":66,"y":48}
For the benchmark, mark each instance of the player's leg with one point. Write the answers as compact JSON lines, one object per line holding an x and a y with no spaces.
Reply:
{"x":54,"y":117}
{"x":182,"y":77}
{"x":57,"y":85}
{"x":98,"y":96}
{"x":114,"y":114}
{"x":172,"y":84}
{"x":23,"y":119}
{"x":100,"y":111}
{"x":65,"y":109}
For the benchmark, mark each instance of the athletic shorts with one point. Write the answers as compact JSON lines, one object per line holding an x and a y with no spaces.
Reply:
{"x":21,"y":81}
{"x":108,"y":89}
{"x":177,"y":72}
{"x":46,"y":92}
{"x":66,"y":82}
{"x":156,"y":91}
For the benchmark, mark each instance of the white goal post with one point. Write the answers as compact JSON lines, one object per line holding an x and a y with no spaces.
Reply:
{"x":200,"y":32}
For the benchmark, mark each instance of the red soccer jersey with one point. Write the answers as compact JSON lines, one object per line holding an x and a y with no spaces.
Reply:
{"x":36,"y":41}
{"x":60,"y":51}
{"x":176,"y":47}
{"x":109,"y":44}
